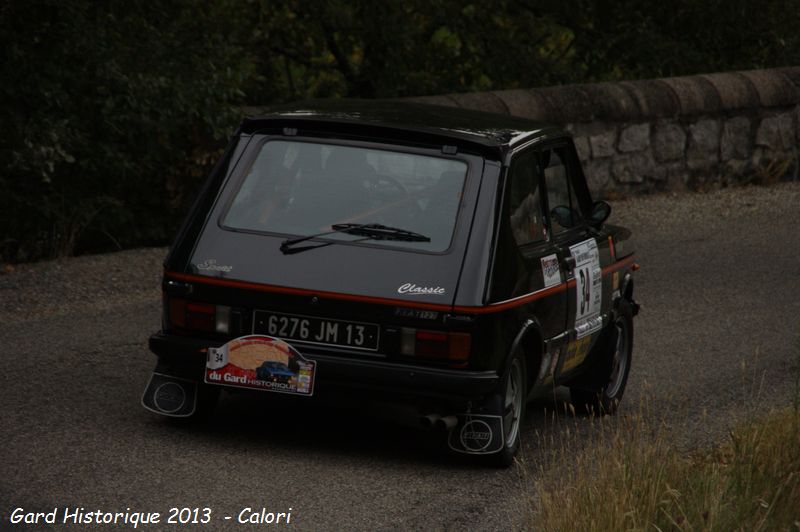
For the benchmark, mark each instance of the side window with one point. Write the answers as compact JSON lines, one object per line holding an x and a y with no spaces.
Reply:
{"x":525,"y":213}
{"x":561,"y":199}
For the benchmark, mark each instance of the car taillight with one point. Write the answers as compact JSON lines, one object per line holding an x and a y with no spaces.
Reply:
{"x":199,"y":316}
{"x":222,"y":321}
{"x":450,"y":346}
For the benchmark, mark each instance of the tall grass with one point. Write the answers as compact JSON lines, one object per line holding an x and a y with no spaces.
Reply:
{"x":630,"y":479}
{"x":630,"y":476}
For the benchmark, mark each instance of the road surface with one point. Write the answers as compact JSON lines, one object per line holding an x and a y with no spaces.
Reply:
{"x":716,"y":342}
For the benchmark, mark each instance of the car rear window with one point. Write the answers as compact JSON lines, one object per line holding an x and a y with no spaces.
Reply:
{"x":301,"y":188}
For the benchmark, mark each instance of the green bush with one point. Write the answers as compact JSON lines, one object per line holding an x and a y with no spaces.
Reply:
{"x":110,"y":112}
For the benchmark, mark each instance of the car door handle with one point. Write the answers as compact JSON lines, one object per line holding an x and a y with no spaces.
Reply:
{"x":568,"y":263}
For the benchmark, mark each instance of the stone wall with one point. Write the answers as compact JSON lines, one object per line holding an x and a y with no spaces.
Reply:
{"x":673,"y":134}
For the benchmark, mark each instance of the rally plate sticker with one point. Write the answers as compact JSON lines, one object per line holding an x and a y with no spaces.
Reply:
{"x":588,"y":288}
{"x":261,"y":363}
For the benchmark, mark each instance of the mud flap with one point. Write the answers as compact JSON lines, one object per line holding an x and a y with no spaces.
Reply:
{"x":477,"y":434}
{"x":170,"y":396}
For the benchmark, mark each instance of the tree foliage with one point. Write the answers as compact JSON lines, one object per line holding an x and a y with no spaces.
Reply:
{"x":107,"y":109}
{"x":113,"y":111}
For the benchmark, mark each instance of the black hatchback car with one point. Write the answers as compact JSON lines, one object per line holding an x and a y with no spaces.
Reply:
{"x":447,"y":259}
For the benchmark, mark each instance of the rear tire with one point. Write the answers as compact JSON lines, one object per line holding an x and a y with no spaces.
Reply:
{"x":600,"y":391}
{"x":513,"y":394}
{"x":207,"y":399}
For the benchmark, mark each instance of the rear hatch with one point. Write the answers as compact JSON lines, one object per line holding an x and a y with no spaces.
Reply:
{"x":358,"y":289}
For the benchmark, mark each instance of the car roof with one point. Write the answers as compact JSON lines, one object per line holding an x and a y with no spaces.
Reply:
{"x":491,"y":133}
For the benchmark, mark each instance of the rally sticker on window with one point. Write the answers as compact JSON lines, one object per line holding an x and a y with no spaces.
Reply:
{"x":261,"y":363}
{"x":550,"y":271}
{"x":588,"y":287}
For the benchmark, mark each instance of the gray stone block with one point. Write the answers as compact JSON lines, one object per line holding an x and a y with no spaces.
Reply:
{"x":669,"y":142}
{"x":735,"y":91}
{"x":634,"y":138}
{"x":735,"y":140}
{"x":603,"y":144}
{"x":598,"y":175}
{"x":777,"y":132}
{"x":636,"y":168}
{"x":582,"y":147}
{"x":696,"y":94}
{"x":610,"y":101}
{"x":654,"y":98}
{"x":585,"y":103}
{"x":566,"y":103}
{"x":792,"y":75}
{"x":703,"y":149}
{"x":774,"y":88}
{"x":590,"y":129}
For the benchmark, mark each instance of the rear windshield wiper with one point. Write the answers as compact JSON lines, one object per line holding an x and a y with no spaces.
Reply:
{"x":381,"y":232}
{"x":368,"y":231}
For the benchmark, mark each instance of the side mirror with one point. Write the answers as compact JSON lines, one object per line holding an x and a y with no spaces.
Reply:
{"x":600,"y":213}
{"x":562,"y":215}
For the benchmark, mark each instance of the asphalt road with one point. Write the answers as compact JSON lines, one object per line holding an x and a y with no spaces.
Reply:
{"x":716,"y":342}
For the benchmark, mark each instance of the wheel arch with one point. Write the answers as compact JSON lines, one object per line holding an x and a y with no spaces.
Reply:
{"x":531,"y":341}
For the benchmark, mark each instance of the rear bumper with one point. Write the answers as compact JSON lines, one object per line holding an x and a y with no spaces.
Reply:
{"x":186,"y":356}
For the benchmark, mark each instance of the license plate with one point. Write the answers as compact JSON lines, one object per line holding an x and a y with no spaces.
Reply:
{"x":321,"y":331}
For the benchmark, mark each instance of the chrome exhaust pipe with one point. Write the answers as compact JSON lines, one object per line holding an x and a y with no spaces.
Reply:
{"x":429,"y":421}
{"x":446,"y":422}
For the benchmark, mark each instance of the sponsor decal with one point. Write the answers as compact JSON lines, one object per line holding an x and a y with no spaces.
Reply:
{"x":477,"y":434}
{"x":551,"y":273}
{"x":410,"y":289}
{"x":588,"y":287}
{"x":576,"y":353}
{"x":212,"y":266}
{"x":261,"y":363}
{"x":590,"y":325}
